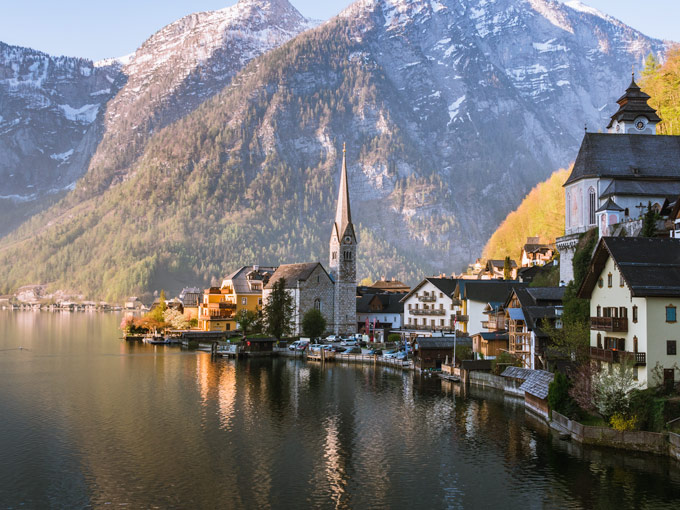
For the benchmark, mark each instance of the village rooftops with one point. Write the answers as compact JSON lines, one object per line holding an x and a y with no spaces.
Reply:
{"x":650,"y":266}
{"x":445,"y":285}
{"x":390,"y":286}
{"x":642,"y":188}
{"x":389,"y":303}
{"x":487,"y":291}
{"x":633,"y":157}
{"x":242,"y":278}
{"x":434,"y":343}
{"x":293,"y":273}
{"x":537,"y":383}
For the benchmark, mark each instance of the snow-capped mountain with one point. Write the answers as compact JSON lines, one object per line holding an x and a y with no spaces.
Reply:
{"x":48,"y":111}
{"x":56,"y":112}
{"x":181,"y":66}
{"x":451,"y":109}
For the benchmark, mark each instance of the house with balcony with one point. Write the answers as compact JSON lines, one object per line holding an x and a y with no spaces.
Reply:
{"x":429,"y":306}
{"x":215,"y":312}
{"x":474,"y":299}
{"x":535,"y":253}
{"x":527,"y":309}
{"x":633,"y":284}
{"x":240,"y":290}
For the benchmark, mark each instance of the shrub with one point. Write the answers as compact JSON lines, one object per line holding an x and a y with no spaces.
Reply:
{"x":620,"y":422}
{"x":394,"y":337}
{"x":559,"y":398}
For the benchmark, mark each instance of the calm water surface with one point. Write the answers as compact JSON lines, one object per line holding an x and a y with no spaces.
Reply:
{"x":88,"y":421}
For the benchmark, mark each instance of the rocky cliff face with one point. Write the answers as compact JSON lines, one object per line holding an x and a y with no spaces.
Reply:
{"x":178,"y":68}
{"x":59,"y":116}
{"x":49,"y":128}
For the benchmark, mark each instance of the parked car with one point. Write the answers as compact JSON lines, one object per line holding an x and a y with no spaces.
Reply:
{"x":353,"y":350}
{"x":333,"y":338}
{"x":327,"y":347}
{"x":391,"y":354}
{"x":348,"y":342}
{"x":299,"y":345}
{"x":315,"y":347}
{"x":375,"y":352}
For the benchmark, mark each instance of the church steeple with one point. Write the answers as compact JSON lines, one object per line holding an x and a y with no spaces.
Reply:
{"x":634,"y":116}
{"x":342,"y":261}
{"x":343,"y":214}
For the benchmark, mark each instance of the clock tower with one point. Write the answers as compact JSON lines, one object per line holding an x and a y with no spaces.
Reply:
{"x":634,"y":116}
{"x":342,"y":262}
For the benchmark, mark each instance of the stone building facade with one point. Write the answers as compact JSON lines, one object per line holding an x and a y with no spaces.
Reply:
{"x":310,"y":287}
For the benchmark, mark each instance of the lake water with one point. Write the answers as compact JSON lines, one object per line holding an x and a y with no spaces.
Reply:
{"x":88,"y":420}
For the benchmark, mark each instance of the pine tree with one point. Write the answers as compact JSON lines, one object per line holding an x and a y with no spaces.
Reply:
{"x":278,"y":311}
{"x":651,"y":66}
{"x":507,"y":269}
{"x":649,"y":222}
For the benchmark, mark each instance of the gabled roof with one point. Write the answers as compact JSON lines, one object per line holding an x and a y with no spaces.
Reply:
{"x":610,"y":205}
{"x":537,"y":383}
{"x":391,"y":303}
{"x":239,"y":278}
{"x":517,"y":373}
{"x":486,"y":290}
{"x":493,"y":335}
{"x":650,"y":266}
{"x":641,"y":188}
{"x":389,"y":284}
{"x":445,"y":285}
{"x":636,"y":157}
{"x":500,"y":263}
{"x":294,"y":273}
{"x":435,"y":343}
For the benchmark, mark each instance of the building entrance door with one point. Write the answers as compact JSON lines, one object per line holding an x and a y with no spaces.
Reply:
{"x":668,"y":377}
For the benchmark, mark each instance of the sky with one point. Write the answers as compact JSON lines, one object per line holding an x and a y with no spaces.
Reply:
{"x":97,"y":30}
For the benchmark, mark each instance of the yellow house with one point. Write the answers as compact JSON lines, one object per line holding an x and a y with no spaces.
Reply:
{"x":634,"y":289}
{"x":241,"y":290}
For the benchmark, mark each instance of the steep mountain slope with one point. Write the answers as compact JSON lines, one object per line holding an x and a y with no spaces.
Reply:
{"x":451,"y":110}
{"x":541,"y":214}
{"x":178,"y":68}
{"x":54,"y":112}
{"x":48,"y":125}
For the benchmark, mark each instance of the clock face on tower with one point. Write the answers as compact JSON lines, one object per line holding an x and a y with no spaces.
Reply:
{"x":641,"y":123}
{"x":348,"y":239}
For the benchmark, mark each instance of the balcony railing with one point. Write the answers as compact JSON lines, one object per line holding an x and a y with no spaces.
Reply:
{"x":614,"y":324}
{"x":428,"y":311}
{"x":614,"y":356}
{"x":429,"y":299}
{"x":462,"y":318}
{"x":500,"y":324}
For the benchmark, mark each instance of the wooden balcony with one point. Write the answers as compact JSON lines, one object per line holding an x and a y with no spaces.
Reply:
{"x":429,"y":299}
{"x":462,"y":318}
{"x":456,"y":302}
{"x":614,"y":324}
{"x":614,"y":356}
{"x":428,"y":311}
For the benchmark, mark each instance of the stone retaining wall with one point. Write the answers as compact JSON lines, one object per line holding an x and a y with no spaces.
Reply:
{"x":638,"y":440}
{"x":487,"y":380}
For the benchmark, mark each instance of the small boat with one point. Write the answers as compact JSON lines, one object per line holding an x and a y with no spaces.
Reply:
{"x":156,"y":340}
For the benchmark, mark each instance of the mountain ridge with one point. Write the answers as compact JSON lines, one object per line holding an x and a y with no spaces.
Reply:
{"x":451,"y":112}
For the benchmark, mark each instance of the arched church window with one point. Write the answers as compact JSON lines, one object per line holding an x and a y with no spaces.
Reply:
{"x":592,"y":206}
{"x":317,"y":304}
{"x":568,"y":203}
{"x":348,"y":255}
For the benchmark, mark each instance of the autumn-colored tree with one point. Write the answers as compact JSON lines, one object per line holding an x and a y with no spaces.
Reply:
{"x":541,"y":213}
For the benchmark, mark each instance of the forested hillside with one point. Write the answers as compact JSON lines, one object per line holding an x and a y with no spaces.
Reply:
{"x":541,"y":213}
{"x":662,"y":82}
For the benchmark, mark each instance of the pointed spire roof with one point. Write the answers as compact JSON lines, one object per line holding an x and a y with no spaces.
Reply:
{"x":343,"y":215}
{"x":632,"y":104}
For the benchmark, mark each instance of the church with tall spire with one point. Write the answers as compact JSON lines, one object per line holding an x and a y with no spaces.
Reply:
{"x":342,"y":258}
{"x":332,"y":292}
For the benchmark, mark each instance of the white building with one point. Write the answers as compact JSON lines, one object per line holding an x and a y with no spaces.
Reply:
{"x":474,"y":299}
{"x":634,"y":291}
{"x":616,"y":174}
{"x":430,"y":306}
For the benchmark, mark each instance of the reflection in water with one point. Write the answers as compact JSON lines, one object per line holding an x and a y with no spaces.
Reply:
{"x":89,"y":420}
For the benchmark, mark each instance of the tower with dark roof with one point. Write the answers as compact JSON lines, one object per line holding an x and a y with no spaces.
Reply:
{"x":342,"y":262}
{"x":634,"y":115}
